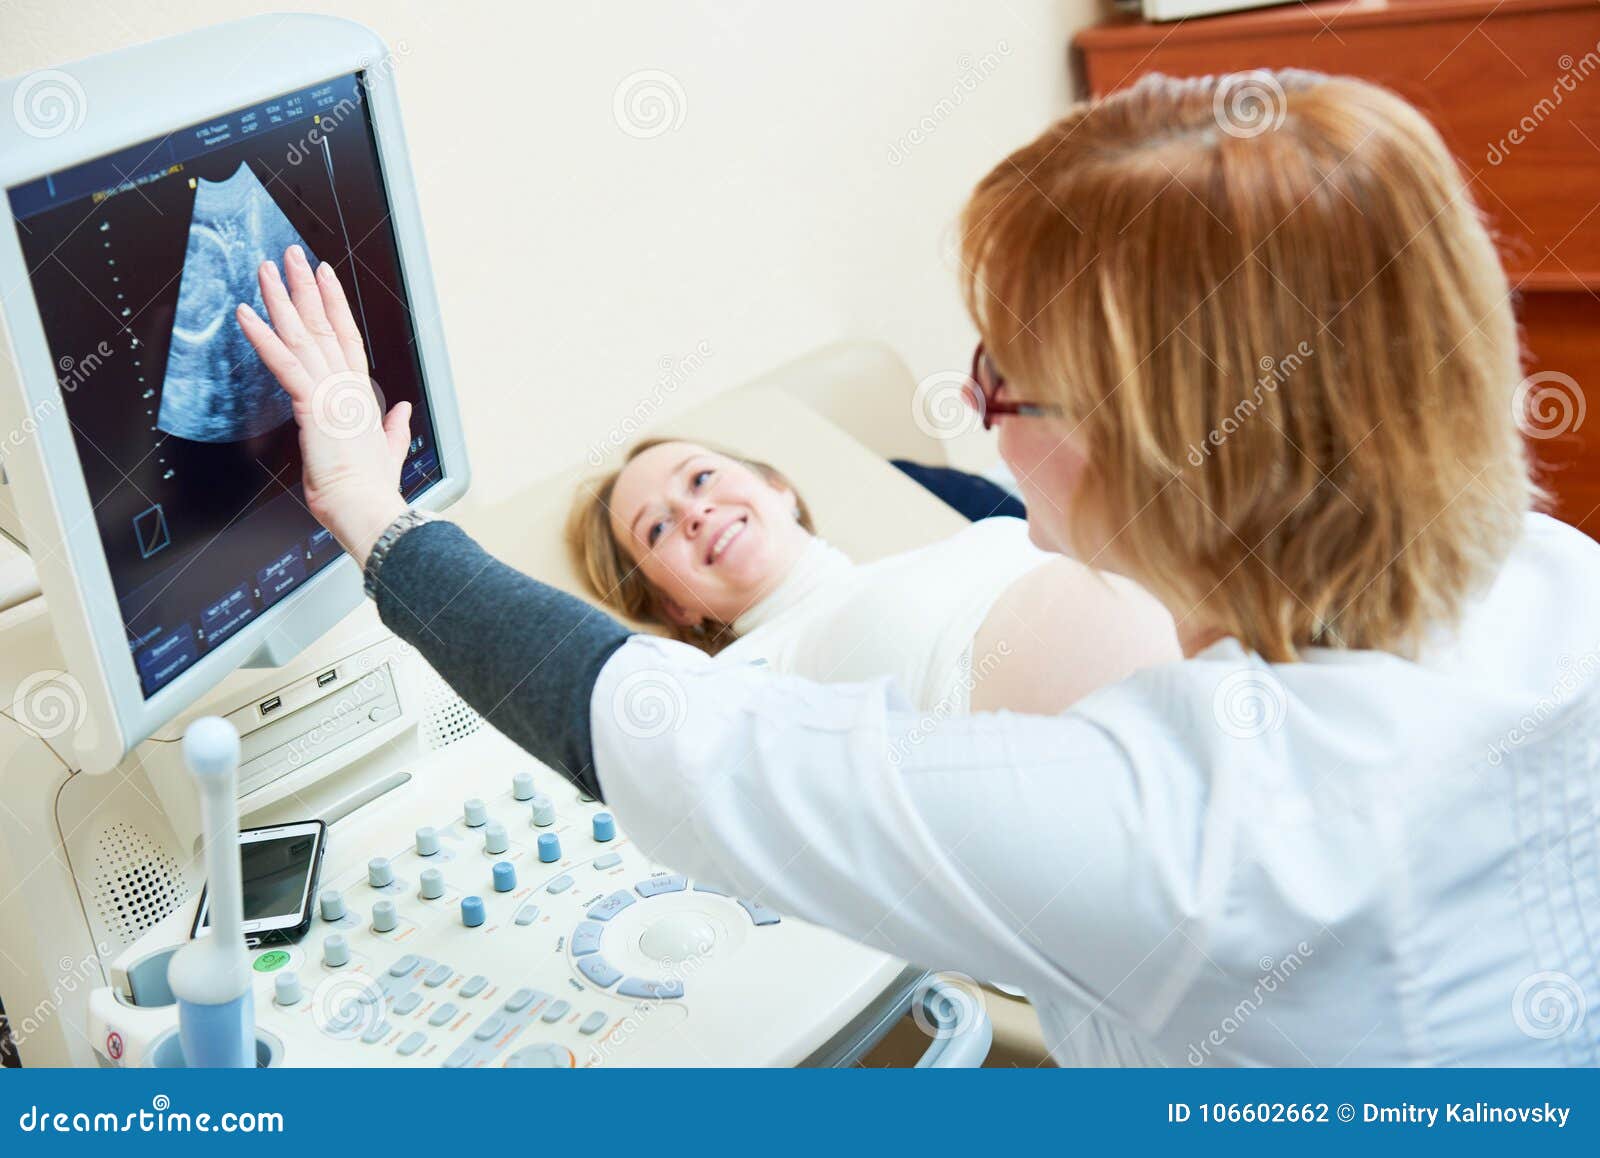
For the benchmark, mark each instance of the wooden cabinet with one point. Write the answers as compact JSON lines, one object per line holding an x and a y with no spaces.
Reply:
{"x":1514,"y":87}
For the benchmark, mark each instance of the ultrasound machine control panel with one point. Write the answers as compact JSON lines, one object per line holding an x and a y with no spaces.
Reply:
{"x":474,"y":909}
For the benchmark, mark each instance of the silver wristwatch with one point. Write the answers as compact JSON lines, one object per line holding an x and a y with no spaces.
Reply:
{"x":409,"y":519}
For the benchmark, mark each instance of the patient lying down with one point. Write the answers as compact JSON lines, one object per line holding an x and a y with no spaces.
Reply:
{"x":722,"y":552}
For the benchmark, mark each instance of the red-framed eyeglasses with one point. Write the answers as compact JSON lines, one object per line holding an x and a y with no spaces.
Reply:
{"x":984,"y":385}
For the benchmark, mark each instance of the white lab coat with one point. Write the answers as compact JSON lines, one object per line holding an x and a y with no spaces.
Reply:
{"x":1351,"y":860}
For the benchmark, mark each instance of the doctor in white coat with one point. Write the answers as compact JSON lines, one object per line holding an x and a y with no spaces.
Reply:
{"x":1247,"y":342}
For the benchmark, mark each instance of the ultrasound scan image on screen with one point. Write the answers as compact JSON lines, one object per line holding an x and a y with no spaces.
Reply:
{"x":187,"y":444}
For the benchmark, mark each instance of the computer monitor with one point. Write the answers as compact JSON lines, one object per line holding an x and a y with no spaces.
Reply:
{"x":155,"y":461}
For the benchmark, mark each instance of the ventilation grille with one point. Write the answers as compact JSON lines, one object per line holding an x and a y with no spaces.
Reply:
{"x":449,"y":718}
{"x":136,"y":881}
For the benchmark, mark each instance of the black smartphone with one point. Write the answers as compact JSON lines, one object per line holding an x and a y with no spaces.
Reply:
{"x":281,"y":865}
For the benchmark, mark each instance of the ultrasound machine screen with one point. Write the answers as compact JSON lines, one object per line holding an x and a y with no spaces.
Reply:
{"x":188,"y":447}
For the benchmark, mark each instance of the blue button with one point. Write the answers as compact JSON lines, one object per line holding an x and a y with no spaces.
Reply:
{"x":411,"y":1044}
{"x":472,"y":911}
{"x":586,"y":938}
{"x":437,"y":976}
{"x":560,"y":885}
{"x":505,"y":876}
{"x":655,"y":886}
{"x":459,"y":1056}
{"x":376,"y":1033}
{"x":528,"y":914}
{"x":592,"y":1023}
{"x":659,"y":990}
{"x":702,"y":887}
{"x":759,"y":913}
{"x":403,"y":966}
{"x":557,"y":1010}
{"x":443,"y":1014}
{"x":473,"y":985}
{"x":611,"y":906}
{"x":610,"y":860}
{"x":406,"y":1002}
{"x":492,"y":1025}
{"x":598,"y":970}
{"x":549,"y":847}
{"x":605,"y":827}
{"x":519,"y":1000}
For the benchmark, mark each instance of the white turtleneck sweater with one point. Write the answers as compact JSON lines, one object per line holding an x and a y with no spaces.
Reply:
{"x":911,"y":616}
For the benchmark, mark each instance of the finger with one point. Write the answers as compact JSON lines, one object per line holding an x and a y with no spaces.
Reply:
{"x":397,"y":428}
{"x":337,"y":307}
{"x":286,"y":322}
{"x":277,"y":357}
{"x":307,"y":298}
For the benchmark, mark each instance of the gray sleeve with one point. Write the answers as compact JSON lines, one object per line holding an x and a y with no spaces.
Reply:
{"x":525,"y":655}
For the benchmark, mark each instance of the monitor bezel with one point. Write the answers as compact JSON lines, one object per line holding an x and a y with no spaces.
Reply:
{"x":180,"y":81}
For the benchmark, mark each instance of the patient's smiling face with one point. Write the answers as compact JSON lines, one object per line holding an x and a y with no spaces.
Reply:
{"x":710,"y":534}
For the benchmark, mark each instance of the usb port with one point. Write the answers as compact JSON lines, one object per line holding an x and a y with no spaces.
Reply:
{"x":327,"y":677}
{"x":272,"y":705}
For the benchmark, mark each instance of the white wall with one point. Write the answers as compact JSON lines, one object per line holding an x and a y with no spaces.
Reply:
{"x":820,"y":153}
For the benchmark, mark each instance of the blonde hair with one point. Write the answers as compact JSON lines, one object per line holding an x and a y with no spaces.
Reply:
{"x":610,"y":572}
{"x":1285,"y":339}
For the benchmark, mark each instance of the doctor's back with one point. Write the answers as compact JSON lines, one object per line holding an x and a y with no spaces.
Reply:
{"x":1360,"y":859}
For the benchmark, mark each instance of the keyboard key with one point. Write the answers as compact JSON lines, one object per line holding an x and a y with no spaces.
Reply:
{"x":403,"y":966}
{"x":701,"y":887}
{"x":659,"y":990}
{"x":406,"y":1002}
{"x":610,"y":860}
{"x":519,"y":1000}
{"x":611,"y":906}
{"x":557,"y":1010}
{"x":492,"y":1025}
{"x":598,"y":970}
{"x":411,"y":1044}
{"x":443,"y":1014}
{"x":459,"y":1056}
{"x":560,"y":885}
{"x":759,"y":913}
{"x":586,"y":938}
{"x":376,"y":1033}
{"x":527,"y":915}
{"x":655,"y":886}
{"x":473,"y":985}
{"x":437,"y":976}
{"x":592,"y":1023}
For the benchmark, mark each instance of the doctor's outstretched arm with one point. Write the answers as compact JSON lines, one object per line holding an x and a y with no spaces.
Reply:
{"x":1011,"y":847}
